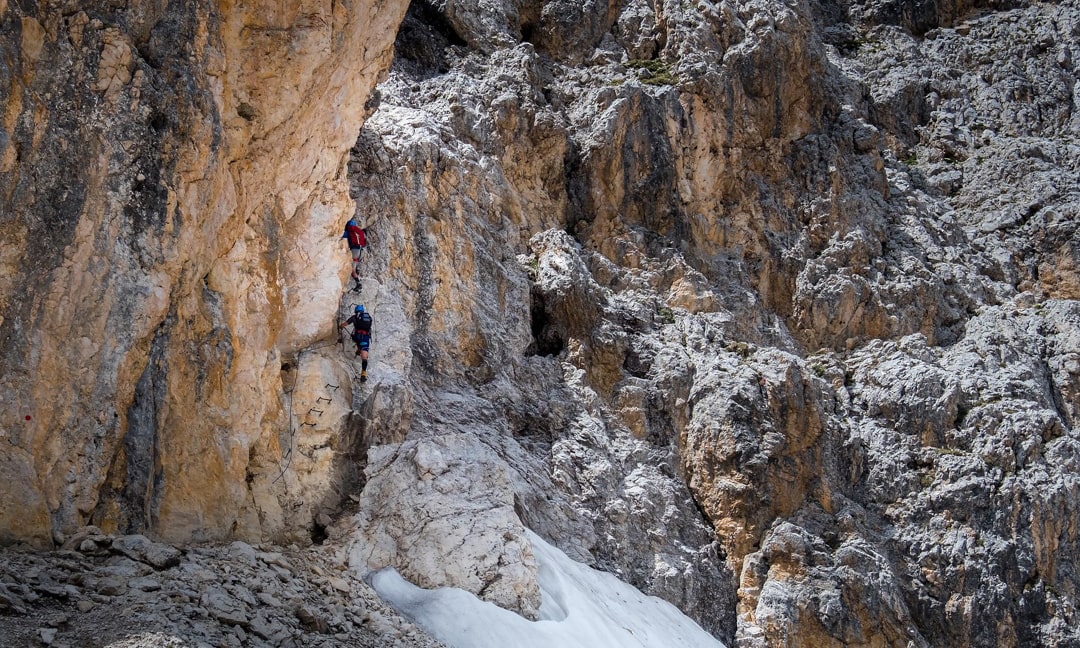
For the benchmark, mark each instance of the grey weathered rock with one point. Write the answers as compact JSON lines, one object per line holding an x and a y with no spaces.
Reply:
{"x":312,"y":621}
{"x":197,"y":600}
{"x":775,"y":252}
{"x":769,"y":308}
{"x":141,"y":548}
{"x":145,"y":584}
{"x":244,"y":552}
{"x":224,"y":607}
{"x":274,"y":559}
{"x":10,"y":600}
{"x":111,"y":586}
{"x":452,"y":523}
{"x":47,"y":636}
{"x":125,"y":567}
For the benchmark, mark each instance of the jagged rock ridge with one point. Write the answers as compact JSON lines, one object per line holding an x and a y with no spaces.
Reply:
{"x":767,"y":307}
{"x":782,"y":285}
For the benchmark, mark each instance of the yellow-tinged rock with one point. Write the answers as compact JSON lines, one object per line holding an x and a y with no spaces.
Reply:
{"x":33,"y":41}
{"x":175,"y":250}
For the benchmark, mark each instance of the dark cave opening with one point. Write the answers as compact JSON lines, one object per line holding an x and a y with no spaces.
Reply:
{"x":546,"y":338}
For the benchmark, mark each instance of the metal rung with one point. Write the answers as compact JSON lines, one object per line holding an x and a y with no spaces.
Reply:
{"x":320,"y":412}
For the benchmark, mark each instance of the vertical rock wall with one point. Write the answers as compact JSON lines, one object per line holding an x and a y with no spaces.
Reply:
{"x":717,"y":283}
{"x":170,"y":194}
{"x":768,"y":307}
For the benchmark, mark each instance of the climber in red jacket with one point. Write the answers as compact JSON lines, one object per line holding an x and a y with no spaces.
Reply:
{"x":356,"y":237}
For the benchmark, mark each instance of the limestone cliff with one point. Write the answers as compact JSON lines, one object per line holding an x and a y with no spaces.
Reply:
{"x":171,"y":186}
{"x":768,"y":307}
{"x":765,"y":306}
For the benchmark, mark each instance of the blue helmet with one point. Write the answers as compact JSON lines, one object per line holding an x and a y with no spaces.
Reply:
{"x":359,"y":309}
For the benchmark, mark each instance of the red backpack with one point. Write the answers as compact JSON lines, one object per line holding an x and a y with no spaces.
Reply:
{"x":357,"y":235}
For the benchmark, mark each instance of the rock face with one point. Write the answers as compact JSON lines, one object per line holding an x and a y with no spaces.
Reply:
{"x":104,"y":590}
{"x":171,"y":192}
{"x":435,"y":485}
{"x":720,"y":282}
{"x":768,"y":307}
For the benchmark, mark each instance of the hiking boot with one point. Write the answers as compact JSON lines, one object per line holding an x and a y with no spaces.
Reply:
{"x":363,"y":376}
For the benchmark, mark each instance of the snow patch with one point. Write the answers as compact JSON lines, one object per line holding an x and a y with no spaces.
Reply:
{"x":581,"y":608}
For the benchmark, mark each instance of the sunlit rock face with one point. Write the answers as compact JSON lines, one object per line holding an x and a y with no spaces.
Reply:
{"x":451,"y":495}
{"x":728,"y":291}
{"x":170,"y":193}
{"x":767,"y":307}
